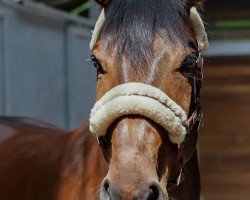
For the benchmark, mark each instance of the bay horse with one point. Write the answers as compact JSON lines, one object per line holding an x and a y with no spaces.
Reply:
{"x":146,"y":118}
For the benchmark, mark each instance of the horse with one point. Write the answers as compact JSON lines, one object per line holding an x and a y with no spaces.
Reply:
{"x":140,"y":140}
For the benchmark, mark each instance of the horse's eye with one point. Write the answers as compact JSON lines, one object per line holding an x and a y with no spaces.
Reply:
{"x":188,"y":66}
{"x":98,"y":66}
{"x":189,"y":63}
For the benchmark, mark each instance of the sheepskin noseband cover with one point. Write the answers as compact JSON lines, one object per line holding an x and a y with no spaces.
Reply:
{"x":139,"y":99}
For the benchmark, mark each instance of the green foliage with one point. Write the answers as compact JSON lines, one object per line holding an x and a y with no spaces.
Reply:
{"x":82,"y":8}
{"x":232,"y":24}
{"x":78,"y":7}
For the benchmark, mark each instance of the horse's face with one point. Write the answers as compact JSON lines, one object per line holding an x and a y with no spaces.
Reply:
{"x":140,"y":154}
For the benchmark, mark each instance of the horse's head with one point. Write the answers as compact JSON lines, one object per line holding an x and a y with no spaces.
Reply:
{"x":147,"y":56}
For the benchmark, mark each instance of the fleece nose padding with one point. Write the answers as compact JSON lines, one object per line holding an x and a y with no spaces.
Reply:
{"x":139,"y":99}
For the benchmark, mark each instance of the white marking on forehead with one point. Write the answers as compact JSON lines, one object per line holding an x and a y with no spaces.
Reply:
{"x":153,"y":70}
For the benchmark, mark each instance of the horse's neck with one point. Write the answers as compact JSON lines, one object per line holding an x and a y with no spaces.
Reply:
{"x":83,"y":167}
{"x":190,"y":188}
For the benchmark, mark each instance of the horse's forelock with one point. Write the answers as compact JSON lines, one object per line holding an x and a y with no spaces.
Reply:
{"x":131,"y":26}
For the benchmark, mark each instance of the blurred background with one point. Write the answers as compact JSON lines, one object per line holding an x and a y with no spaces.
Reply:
{"x":45,"y":73}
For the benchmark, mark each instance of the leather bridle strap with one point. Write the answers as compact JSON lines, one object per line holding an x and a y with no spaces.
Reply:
{"x":194,"y":121}
{"x":196,"y":117}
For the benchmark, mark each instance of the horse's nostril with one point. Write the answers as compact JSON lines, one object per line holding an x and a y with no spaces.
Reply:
{"x":150,"y":193}
{"x":153,"y":193}
{"x":109,"y":192}
{"x":106,"y":187}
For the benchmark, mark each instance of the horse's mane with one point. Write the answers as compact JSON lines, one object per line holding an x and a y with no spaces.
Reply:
{"x":131,"y":25}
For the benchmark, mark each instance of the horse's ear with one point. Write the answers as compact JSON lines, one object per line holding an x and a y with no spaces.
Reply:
{"x":198,"y":27}
{"x":103,"y":2}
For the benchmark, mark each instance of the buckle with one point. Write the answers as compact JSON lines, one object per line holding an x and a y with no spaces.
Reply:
{"x":179,"y":179}
{"x":190,"y":122}
{"x":195,"y":117}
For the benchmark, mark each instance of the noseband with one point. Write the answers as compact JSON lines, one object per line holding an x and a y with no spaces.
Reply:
{"x":139,"y":99}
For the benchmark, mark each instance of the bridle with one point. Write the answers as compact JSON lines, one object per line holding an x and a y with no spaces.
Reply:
{"x":192,"y":124}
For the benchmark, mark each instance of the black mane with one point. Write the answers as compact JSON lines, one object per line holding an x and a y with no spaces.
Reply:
{"x":132,"y":24}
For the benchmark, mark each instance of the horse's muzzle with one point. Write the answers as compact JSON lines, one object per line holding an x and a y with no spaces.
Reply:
{"x":151,"y":192}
